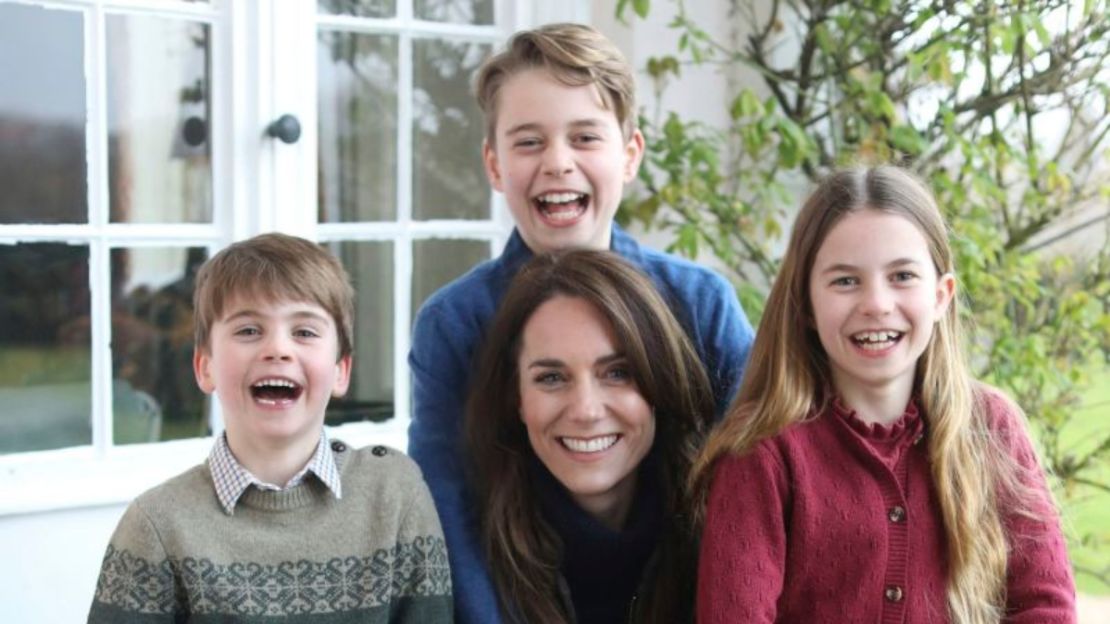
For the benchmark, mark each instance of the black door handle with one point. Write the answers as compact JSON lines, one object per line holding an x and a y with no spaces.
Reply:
{"x":286,"y":128}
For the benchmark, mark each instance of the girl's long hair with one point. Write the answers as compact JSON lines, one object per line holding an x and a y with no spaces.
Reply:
{"x":788,"y":380}
{"x":523,"y":551}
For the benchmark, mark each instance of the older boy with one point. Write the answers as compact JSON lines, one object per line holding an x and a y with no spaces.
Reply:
{"x":561,"y":143}
{"x":280,"y":522}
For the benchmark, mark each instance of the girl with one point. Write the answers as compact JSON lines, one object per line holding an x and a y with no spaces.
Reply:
{"x":588,"y":408}
{"x":862,"y":475}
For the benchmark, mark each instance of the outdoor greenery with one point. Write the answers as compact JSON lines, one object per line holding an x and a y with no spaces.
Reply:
{"x":1003,"y":107}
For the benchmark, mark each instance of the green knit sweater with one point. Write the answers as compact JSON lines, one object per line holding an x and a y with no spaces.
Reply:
{"x":299,"y":555}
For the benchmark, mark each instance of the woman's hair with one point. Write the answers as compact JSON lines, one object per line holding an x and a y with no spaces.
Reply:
{"x":788,"y":380}
{"x":523,"y":551}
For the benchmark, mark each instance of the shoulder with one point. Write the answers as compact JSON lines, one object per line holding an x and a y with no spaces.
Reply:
{"x":682,"y":275}
{"x":380,"y":469}
{"x":187,"y":491}
{"x":474,"y":289}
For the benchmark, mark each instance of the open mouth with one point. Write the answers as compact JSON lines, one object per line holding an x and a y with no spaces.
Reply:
{"x":590,"y":445}
{"x":275,"y":391}
{"x":562,"y":207}
{"x":877,"y":340}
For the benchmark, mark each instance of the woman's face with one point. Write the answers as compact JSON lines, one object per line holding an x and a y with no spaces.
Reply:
{"x":586,"y":419}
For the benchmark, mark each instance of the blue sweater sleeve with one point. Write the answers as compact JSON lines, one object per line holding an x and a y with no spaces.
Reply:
{"x":726,"y":338}
{"x":440,"y":362}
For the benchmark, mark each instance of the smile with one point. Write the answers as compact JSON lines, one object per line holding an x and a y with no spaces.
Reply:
{"x":275,"y":391}
{"x":877,"y":340}
{"x":562,"y":207}
{"x":589,"y":445}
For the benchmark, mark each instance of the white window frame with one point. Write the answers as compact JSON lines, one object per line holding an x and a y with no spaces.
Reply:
{"x":259,"y":185}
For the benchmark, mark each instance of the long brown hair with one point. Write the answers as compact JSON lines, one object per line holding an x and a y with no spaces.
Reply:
{"x":523,"y":551}
{"x":788,"y":380}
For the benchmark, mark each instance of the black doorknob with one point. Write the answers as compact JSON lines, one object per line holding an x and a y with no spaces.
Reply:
{"x":286,"y":128}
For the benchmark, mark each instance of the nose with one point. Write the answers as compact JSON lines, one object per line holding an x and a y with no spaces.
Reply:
{"x":557,"y":160}
{"x":588,"y":403}
{"x":877,"y":300}
{"x":277,"y":347}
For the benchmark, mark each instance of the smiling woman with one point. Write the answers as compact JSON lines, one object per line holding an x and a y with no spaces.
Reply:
{"x":587,"y":407}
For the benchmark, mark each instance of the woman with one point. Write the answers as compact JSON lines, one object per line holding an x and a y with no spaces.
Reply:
{"x":587,"y":410}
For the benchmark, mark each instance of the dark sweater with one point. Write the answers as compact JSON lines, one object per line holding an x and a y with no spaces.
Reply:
{"x":838,"y":521}
{"x":603,"y":568}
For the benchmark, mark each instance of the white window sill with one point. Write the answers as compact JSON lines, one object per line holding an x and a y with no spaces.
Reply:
{"x":77,"y":477}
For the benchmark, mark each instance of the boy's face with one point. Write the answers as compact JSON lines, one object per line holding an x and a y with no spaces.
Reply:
{"x":560,"y":160}
{"x":273,"y":366}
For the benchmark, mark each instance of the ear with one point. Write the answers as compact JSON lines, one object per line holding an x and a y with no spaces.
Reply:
{"x":946,"y":291}
{"x":342,"y":376}
{"x":201,"y":363}
{"x":493,"y":167}
{"x":633,"y":154}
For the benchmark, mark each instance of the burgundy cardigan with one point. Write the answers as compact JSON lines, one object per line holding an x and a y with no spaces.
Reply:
{"x":836,"y":520}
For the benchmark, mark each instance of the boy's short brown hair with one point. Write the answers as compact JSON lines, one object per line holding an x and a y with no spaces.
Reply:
{"x":274,"y":267}
{"x":576,"y":55}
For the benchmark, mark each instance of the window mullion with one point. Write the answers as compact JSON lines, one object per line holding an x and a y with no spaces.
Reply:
{"x":402,"y":248}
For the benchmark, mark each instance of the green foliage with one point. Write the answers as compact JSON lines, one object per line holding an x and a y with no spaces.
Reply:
{"x":1004,"y":108}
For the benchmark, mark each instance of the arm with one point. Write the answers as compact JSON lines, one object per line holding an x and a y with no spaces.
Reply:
{"x":136,"y":584}
{"x":743,"y":547}
{"x":421,"y":583}
{"x":726,"y":337}
{"x":1040,"y":588}
{"x":440,"y":363}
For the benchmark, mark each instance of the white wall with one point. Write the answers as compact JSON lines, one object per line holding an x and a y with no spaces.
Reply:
{"x":51,"y":562}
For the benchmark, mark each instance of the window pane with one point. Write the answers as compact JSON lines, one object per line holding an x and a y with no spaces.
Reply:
{"x":436,"y":262}
{"x":358,"y":8}
{"x":45,"y":361}
{"x":159,"y":160}
{"x":449,"y":181}
{"x":370,"y":396}
{"x":457,"y":11}
{"x":42,"y":116}
{"x":357,"y":97}
{"x":154,"y":394}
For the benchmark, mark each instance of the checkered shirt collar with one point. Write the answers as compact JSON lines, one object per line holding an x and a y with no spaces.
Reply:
{"x":232,"y":479}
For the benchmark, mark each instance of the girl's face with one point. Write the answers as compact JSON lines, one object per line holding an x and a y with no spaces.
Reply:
{"x":586,"y":419}
{"x":876,"y":296}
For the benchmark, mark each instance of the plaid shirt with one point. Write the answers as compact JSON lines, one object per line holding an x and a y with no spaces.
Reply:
{"x":232,"y":479}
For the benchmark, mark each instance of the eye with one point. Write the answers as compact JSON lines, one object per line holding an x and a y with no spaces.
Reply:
{"x":903,"y":276}
{"x":306,"y":332}
{"x":618,"y":373}
{"x":587,"y":138}
{"x":844,"y":281}
{"x":527,"y":143}
{"x":248,"y":331}
{"x":548,"y":378}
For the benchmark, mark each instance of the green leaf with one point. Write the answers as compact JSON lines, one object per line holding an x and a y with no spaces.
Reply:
{"x":641,"y":7}
{"x":907,"y":140}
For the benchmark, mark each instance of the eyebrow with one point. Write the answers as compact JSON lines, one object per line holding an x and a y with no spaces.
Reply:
{"x":842,"y":267}
{"x":557,"y":363}
{"x":532,"y":126}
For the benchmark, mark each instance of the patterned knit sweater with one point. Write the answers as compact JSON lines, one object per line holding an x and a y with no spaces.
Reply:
{"x":835,"y":520}
{"x":298,"y":555}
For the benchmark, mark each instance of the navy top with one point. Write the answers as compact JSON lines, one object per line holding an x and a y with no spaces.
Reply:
{"x":446,"y":334}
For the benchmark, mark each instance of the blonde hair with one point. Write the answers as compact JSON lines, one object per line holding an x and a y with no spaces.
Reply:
{"x":788,"y":381}
{"x":272,"y":267}
{"x":576,"y":55}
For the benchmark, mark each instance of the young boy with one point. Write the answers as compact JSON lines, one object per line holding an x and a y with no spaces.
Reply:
{"x":561,"y":142}
{"x":280,"y":522}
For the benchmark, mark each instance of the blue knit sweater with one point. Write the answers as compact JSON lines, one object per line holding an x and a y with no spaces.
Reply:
{"x":446,"y":335}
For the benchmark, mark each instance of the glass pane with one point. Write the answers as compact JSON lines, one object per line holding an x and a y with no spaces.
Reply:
{"x":45,"y":357}
{"x":357,"y":97}
{"x":159,"y":120}
{"x":42,"y":116}
{"x":370,"y":396}
{"x":358,"y":8}
{"x":448,"y":179}
{"x":457,"y":11}
{"x":436,"y":262}
{"x":154,"y":394}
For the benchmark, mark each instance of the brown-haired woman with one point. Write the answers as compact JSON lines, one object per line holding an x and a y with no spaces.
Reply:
{"x":587,"y":409}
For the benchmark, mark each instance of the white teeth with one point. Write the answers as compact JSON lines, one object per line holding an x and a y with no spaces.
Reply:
{"x":590,"y":445}
{"x":876,"y":340}
{"x":559,"y":198}
{"x":280,"y":383}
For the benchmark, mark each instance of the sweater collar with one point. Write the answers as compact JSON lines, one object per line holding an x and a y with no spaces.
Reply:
{"x":231,"y":479}
{"x":517,"y":252}
{"x":909,"y":425}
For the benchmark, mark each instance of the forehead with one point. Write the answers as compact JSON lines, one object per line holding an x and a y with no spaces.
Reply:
{"x":257,"y":305}
{"x":872,"y":236}
{"x":567,"y":324}
{"x":535,"y":96}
